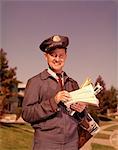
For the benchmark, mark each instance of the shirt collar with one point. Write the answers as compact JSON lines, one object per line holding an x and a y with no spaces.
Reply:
{"x":45,"y":74}
{"x":52,"y":73}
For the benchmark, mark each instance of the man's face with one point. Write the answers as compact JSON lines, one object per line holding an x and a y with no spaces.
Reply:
{"x":56,"y":59}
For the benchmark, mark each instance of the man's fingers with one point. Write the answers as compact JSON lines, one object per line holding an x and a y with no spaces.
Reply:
{"x":62,"y":96}
{"x":78,"y":107}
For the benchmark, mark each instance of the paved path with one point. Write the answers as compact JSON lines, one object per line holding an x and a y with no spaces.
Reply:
{"x":107,"y":142}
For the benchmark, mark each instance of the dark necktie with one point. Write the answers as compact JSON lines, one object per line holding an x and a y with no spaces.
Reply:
{"x":60,"y":80}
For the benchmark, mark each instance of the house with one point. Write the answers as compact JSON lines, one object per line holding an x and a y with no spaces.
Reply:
{"x":21,"y":90}
{"x":13,"y":107}
{"x":15,"y":102}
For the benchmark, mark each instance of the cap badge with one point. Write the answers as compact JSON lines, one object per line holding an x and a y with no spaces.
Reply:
{"x":56,"y":38}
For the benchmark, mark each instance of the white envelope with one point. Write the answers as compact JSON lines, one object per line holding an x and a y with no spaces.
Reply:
{"x":85,"y":94}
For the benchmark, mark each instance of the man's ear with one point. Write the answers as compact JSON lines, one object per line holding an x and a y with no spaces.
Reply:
{"x":65,"y":55}
{"x":45,"y":56}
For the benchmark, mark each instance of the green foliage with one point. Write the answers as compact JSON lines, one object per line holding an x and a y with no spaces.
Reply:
{"x":102,"y":96}
{"x":112,"y":98}
{"x":7,"y":75}
{"x":107,"y":98}
{"x":8,"y":81}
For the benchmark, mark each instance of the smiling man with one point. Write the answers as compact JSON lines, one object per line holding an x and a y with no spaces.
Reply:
{"x":43,"y":107}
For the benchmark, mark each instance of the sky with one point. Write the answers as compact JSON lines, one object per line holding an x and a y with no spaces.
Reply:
{"x":92,"y":28}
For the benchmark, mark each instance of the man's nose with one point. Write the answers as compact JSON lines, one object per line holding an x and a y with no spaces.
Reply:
{"x":57,"y":58}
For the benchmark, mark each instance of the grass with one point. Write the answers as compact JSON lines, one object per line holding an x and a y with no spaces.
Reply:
{"x":102,"y":136}
{"x":20,"y":137}
{"x":103,"y":123}
{"x":15,"y":137}
{"x":101,"y":147}
{"x":112,"y":128}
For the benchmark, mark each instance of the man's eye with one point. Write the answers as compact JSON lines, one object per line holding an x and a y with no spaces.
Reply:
{"x":61,"y":56}
{"x":53,"y":55}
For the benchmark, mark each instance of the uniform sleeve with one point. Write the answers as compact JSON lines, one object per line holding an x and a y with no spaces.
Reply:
{"x":34,"y":109}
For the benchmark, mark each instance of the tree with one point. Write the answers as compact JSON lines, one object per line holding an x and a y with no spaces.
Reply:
{"x":107,"y":98}
{"x":101,"y":82}
{"x":112,"y":99}
{"x":8,"y":81}
{"x":102,"y":96}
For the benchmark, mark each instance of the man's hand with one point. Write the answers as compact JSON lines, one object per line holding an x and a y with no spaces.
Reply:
{"x":62,"y":96}
{"x":79,"y":107}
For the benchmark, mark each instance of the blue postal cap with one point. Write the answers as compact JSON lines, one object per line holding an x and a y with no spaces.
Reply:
{"x":53,"y":42}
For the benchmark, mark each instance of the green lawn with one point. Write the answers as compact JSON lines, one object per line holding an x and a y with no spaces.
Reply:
{"x":20,"y":137}
{"x":114,"y":127}
{"x":15,"y":137}
{"x":102,"y":136}
{"x":101,"y":147}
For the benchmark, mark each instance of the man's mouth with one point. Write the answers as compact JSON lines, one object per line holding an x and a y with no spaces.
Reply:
{"x":57,"y":63}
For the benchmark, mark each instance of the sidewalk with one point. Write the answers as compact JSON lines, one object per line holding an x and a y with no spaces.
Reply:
{"x":106,"y":142}
{"x":11,"y":118}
